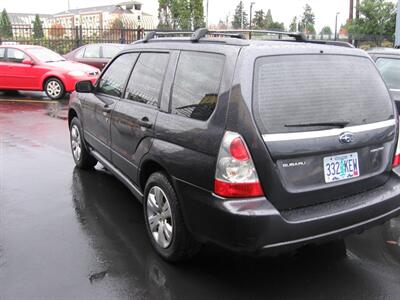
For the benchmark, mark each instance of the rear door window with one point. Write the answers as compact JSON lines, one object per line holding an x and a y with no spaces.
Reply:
{"x":147,"y":77}
{"x":293,"y":91}
{"x":390,"y":70}
{"x":92,"y":51}
{"x":196,"y":85}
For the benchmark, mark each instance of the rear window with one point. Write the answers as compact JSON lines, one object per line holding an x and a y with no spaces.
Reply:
{"x":308,"y":89}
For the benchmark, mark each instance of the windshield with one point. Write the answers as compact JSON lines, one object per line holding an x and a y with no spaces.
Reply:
{"x":295,"y":93}
{"x":45,"y":55}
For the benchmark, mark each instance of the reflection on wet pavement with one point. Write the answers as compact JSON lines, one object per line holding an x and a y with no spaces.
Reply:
{"x":72,"y":234}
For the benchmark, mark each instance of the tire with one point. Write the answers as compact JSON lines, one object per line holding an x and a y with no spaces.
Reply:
{"x":81,"y":155}
{"x":54,"y":88}
{"x":165,"y":226}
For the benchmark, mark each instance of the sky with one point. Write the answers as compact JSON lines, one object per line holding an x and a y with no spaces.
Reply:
{"x":282,"y":10}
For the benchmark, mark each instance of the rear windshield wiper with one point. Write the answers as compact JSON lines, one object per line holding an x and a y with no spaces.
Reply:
{"x":340,"y":124}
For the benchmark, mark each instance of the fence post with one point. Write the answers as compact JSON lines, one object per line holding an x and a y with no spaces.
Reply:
{"x":76,"y":37}
{"x":122,"y":39}
{"x":80,"y":36}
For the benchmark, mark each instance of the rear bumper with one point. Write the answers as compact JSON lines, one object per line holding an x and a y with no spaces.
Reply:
{"x":252,"y":225}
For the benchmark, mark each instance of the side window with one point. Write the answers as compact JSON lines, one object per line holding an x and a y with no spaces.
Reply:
{"x":390,"y":70}
{"x":79,"y":53}
{"x":2,"y":54}
{"x":147,"y":77}
{"x":15,"y":55}
{"x":113,"y":80}
{"x":196,"y":85}
{"x":92,"y":51}
{"x":109,"y":51}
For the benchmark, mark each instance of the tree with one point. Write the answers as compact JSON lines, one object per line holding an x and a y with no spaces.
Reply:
{"x":180,"y":14}
{"x":293,"y":25}
{"x":57,"y":30}
{"x":326,"y":30}
{"x":5,"y":25}
{"x":37,"y":28}
{"x":268,"y":19}
{"x":240,"y":17}
{"x":377,"y":20}
{"x":276,"y":26}
{"x":259,"y":19}
{"x":308,"y":20}
{"x":197,"y":10}
{"x":164,"y":14}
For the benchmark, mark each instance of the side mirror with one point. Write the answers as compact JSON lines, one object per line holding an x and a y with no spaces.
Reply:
{"x":27,"y":61}
{"x":85,"y":86}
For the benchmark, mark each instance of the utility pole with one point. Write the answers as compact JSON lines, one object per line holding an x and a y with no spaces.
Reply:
{"x":207,"y":13}
{"x":336,"y":25}
{"x":397,"y":33}
{"x":69,"y":6}
{"x":357,"y":17}
{"x":251,"y":13}
{"x":351,"y":14}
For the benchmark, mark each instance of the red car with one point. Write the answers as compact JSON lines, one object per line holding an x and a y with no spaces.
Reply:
{"x":96,"y":55}
{"x":36,"y":68}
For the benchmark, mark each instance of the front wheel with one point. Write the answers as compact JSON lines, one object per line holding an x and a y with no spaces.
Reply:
{"x":164,"y":221}
{"x":83,"y":159}
{"x":54,"y":89}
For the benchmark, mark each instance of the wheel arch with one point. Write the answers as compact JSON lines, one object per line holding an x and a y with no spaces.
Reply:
{"x":148,"y":167}
{"x":49,"y":76}
{"x":72,"y":113}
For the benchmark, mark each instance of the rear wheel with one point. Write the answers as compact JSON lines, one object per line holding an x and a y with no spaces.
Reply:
{"x":81,"y":155}
{"x":54,"y":88}
{"x":164,"y":221}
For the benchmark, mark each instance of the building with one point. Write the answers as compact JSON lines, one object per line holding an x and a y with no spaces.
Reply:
{"x":128,"y":13}
{"x":22,"y":23}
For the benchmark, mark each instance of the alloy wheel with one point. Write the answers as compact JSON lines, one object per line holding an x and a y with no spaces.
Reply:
{"x":159,"y":217}
{"x":54,"y":88}
{"x":76,"y":143}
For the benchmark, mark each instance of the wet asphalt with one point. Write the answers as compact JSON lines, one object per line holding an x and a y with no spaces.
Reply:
{"x":72,"y":234}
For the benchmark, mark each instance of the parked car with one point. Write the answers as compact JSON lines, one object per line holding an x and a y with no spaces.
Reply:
{"x":251,"y":145}
{"x":25,"y":67}
{"x":96,"y":55}
{"x":388,"y":63}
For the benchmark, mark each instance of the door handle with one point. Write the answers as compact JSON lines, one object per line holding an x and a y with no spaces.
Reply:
{"x":145,"y":122}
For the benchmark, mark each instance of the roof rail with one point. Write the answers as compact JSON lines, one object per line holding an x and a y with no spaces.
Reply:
{"x":298,"y":36}
{"x":240,"y":34}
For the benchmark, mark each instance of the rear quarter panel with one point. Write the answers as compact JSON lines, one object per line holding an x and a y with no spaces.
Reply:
{"x":188,"y":148}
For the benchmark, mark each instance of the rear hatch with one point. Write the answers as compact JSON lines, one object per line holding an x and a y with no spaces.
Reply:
{"x":328,"y":123}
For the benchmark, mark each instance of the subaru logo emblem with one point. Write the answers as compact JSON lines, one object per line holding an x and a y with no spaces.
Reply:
{"x":346,"y":138}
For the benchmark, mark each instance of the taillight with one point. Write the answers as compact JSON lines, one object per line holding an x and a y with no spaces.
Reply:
{"x":235,"y":175}
{"x":396,"y":159}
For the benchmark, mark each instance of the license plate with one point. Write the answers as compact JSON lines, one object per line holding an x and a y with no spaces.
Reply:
{"x":341,"y":167}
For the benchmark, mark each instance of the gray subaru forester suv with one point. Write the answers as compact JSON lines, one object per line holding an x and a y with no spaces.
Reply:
{"x":251,"y":145}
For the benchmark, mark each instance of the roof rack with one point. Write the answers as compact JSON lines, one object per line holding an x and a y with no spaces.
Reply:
{"x":240,"y":34}
{"x":202,"y":32}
